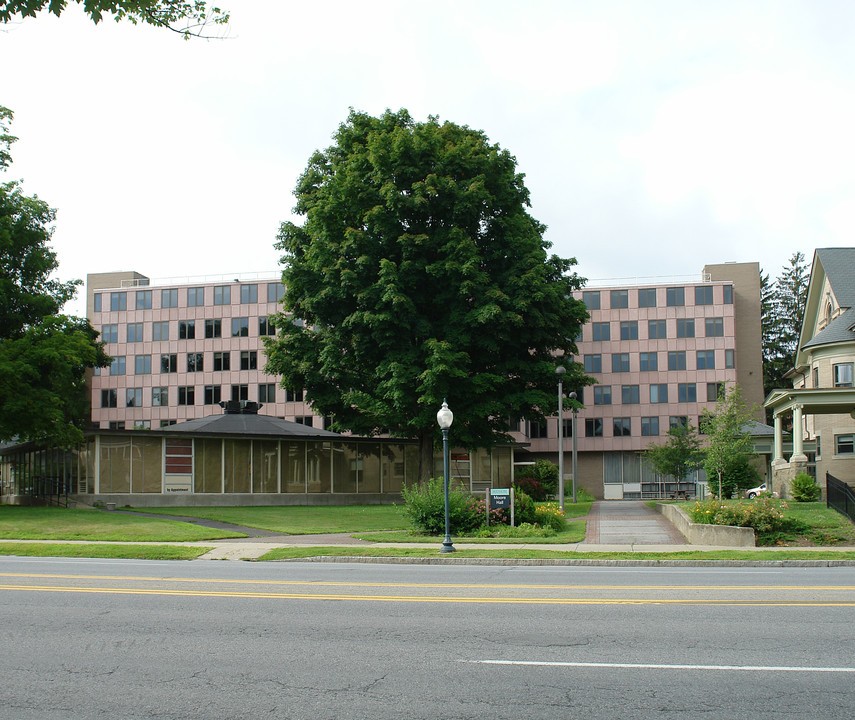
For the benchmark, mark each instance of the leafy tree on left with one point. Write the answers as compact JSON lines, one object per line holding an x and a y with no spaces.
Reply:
{"x":44,"y":355}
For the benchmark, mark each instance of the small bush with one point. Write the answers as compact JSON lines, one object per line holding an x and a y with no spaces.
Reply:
{"x":763,"y":514}
{"x":531,"y":487}
{"x":550,"y":515}
{"x":803,"y":488}
{"x":424,"y":506}
{"x":520,"y":531}
{"x":544,"y":472}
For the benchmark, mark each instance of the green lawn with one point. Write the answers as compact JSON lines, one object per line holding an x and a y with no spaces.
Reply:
{"x":825,"y":526}
{"x":300,"y":519}
{"x":90,"y":550}
{"x":52,"y":523}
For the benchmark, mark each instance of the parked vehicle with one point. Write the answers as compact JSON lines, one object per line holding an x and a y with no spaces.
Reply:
{"x":754,"y":492}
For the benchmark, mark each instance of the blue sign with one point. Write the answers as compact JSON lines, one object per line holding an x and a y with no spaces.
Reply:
{"x":500,"y":499}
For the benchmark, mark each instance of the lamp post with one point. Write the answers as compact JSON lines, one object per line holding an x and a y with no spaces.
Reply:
{"x":445,"y":417}
{"x":575,"y":435}
{"x":559,"y":371}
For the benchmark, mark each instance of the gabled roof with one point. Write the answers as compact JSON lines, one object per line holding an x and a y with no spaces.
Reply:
{"x":839,"y":267}
{"x":247,"y":425}
{"x":838,"y":330}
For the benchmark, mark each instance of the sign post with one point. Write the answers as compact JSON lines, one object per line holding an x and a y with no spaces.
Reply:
{"x":498,"y":499}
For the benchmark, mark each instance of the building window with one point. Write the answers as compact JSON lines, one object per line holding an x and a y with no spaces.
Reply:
{"x":619,"y":299}
{"x":816,"y":377}
{"x":117,"y":367}
{"x":307,"y":420}
{"x":222,"y":295}
{"x":622,"y":427}
{"x":213,"y":328}
{"x":195,"y":296}
{"x":685,"y":327}
{"x":133,"y":397}
{"x":142,"y":425}
{"x":842,"y":374}
{"x":195,"y":362}
{"x":169,"y":298}
{"x":248,"y":294}
{"x":537,"y":429}
{"x":714,"y":326}
{"x":213,"y":394}
{"x":659,"y":393}
{"x":706,"y":360}
{"x":602,"y":395}
{"x":96,"y":302}
{"x":169,"y":363}
{"x":656,"y":329}
{"x":649,"y":426}
{"x":593,"y":363}
{"x":248,"y":360}
{"x":109,"y":398}
{"x":714,"y":391}
{"x":729,"y":359}
{"x":593,"y":427}
{"x":677,"y":360}
{"x":844,"y":444}
{"x":675,"y":296}
{"x":160,"y":331}
{"x":142,"y":365}
{"x":275,"y":291}
{"x":678,"y":421}
{"x":601,"y":331}
{"x":266,"y":326}
{"x":167,"y":423}
{"x":118,"y":301}
{"x":240,"y":392}
{"x":728,"y":294}
{"x":687,"y":392}
{"x":647,"y":297}
{"x":222,"y":361}
{"x":143,"y":300}
{"x":567,"y":427}
{"x":117,"y":425}
{"x":591,"y":298}
{"x":703,"y":295}
{"x":187,"y":395}
{"x":629,"y":330}
{"x":629,"y":394}
{"x":620,"y":362}
{"x":159,"y":396}
{"x":267,"y":393}
{"x":293,"y":396}
{"x":240,"y":327}
{"x":186,"y":329}
{"x":135,"y":332}
{"x":648,"y":362}
{"x":110,"y":333}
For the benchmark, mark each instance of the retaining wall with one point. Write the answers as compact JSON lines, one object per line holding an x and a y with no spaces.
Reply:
{"x":701,"y":534}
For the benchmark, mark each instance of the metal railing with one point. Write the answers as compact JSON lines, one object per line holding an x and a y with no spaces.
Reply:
{"x":839,"y":496}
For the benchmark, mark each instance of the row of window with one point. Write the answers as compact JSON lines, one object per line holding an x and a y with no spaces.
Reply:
{"x":195,"y":362}
{"x":658,"y":393}
{"x":186,"y":395}
{"x":146,"y":424}
{"x":648,"y":297}
{"x":194,"y":296}
{"x":186,"y":329}
{"x":649,"y":361}
{"x":656,"y":329}
{"x":620,"y":426}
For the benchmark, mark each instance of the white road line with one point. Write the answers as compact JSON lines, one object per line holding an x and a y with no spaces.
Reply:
{"x":655,"y":666}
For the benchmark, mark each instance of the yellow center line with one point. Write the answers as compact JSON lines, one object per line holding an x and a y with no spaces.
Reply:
{"x":492,"y":586}
{"x":421,"y":599}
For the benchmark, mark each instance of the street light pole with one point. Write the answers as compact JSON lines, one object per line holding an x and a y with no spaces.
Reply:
{"x":559,"y":371}
{"x":575,"y":431}
{"x":445,"y":417}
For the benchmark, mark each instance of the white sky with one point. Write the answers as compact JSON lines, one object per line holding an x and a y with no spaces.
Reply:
{"x":655,"y":136}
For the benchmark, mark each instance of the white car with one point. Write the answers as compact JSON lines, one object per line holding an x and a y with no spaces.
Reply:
{"x":754,"y":492}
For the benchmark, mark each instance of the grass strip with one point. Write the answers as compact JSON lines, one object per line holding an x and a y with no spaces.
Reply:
{"x":92,"y":550}
{"x":296,"y":553}
{"x":53,"y":523}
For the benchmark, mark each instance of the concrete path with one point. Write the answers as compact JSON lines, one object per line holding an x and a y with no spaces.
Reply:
{"x":632,"y":522}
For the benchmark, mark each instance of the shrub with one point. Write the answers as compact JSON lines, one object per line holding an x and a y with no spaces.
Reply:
{"x":544,"y":472}
{"x":763,"y":514}
{"x":550,"y":515}
{"x":424,"y":506}
{"x":531,"y":487}
{"x":520,"y":531}
{"x":803,"y":488}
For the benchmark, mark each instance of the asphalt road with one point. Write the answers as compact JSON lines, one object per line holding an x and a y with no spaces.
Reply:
{"x":135,"y":639}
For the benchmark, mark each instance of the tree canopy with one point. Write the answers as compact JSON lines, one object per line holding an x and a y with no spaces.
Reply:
{"x":418,"y":275}
{"x":187,"y":18}
{"x":679,"y":455}
{"x":43,"y":354}
{"x":730,"y":445}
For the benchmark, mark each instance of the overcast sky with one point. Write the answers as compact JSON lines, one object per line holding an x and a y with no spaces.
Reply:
{"x":655,"y":137}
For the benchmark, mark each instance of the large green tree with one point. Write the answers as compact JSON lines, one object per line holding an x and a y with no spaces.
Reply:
{"x":187,"y":18}
{"x":679,"y":455}
{"x":43,"y":355}
{"x":730,"y":446}
{"x":418,"y":275}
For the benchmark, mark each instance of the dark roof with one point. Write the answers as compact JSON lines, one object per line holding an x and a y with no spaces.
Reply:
{"x":838,"y":330}
{"x":247,"y":425}
{"x":839,"y":267}
{"x":758,"y":429}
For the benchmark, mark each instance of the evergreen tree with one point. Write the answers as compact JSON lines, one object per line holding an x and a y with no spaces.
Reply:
{"x":419,"y":275}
